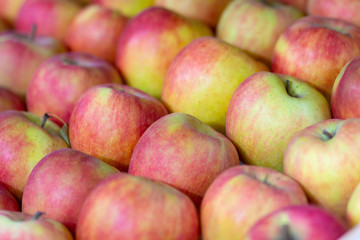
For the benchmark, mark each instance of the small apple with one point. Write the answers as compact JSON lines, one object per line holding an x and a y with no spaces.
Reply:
{"x":7,"y":200}
{"x":128,"y":7}
{"x":10,"y":101}
{"x":353,"y":207}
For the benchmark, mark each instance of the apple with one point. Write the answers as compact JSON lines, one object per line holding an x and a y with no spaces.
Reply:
{"x":255,"y":25}
{"x":276,"y":107}
{"x":7,"y":200}
{"x":10,"y":101}
{"x":58,"y":83}
{"x":150,"y":41}
{"x":128,"y":7}
{"x":242,"y":195}
{"x":19,"y":226}
{"x":297,"y":222}
{"x":307,"y":48}
{"x":96,"y":30}
{"x":346,"y":88}
{"x":206,"y":11}
{"x":109,"y":119}
{"x":128,"y":207}
{"x":300,"y":4}
{"x":353,"y":207}
{"x":9,"y":9}
{"x":20,"y":55}
{"x":52,"y":17}
{"x":184,"y":152}
{"x":202,"y":78}
{"x":63,"y":178}
{"x":24,"y":140}
{"x":324,"y":159}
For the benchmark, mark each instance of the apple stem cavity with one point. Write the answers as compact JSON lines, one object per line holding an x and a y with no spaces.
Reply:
{"x":70,"y":61}
{"x":288,"y":89}
{"x":33,"y":32}
{"x":37,"y":215}
{"x":327,"y":134}
{"x":286,"y":233}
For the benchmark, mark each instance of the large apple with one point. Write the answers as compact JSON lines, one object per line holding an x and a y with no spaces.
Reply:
{"x":324,"y":159}
{"x":255,"y":25}
{"x":297,"y":222}
{"x":353,"y":207}
{"x":9,"y":9}
{"x":128,"y":7}
{"x":307,"y":50}
{"x":242,"y":195}
{"x":202,"y":78}
{"x":9,"y":100}
{"x":109,"y":119}
{"x":20,"y":226}
{"x":96,"y":30}
{"x":58,"y":83}
{"x":24,"y":140}
{"x":148,"y":44}
{"x":7,"y":200}
{"x":266,"y":110}
{"x":184,"y":152}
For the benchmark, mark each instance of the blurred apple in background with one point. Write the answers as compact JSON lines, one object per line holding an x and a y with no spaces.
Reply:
{"x":9,"y":10}
{"x":324,"y":159}
{"x":353,"y":207}
{"x":297,"y":222}
{"x":242,"y":195}
{"x":184,"y":152}
{"x":299,"y":4}
{"x":202,"y":78}
{"x":265,"y":112}
{"x":307,"y":48}
{"x":346,"y":90}
{"x":58,"y":83}
{"x":20,"y":226}
{"x":96,"y":30}
{"x":206,"y":11}
{"x":148,"y":44}
{"x":129,"y":8}
{"x":7,"y":200}
{"x":255,"y":25}
{"x":10,"y":101}
{"x":109,"y":119}
{"x":52,"y":17}
{"x":130,"y":208}
{"x":23,"y":143}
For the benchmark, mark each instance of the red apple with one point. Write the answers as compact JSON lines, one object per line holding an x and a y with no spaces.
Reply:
{"x":7,"y":200}
{"x":58,"y":83}
{"x":131,"y":208}
{"x":128,"y":7}
{"x":10,"y":101}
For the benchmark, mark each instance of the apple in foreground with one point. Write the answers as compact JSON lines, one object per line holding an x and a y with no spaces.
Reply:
{"x":10,"y":101}
{"x":297,"y":222}
{"x":128,"y":7}
{"x":184,"y":152}
{"x":353,"y":207}
{"x":7,"y":200}
{"x":324,"y":159}
{"x":20,"y":226}
{"x":242,"y":195}
{"x":131,"y":208}
{"x":265,"y":112}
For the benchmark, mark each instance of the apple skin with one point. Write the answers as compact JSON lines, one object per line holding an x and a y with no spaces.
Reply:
{"x":130,"y":208}
{"x":59,"y":82}
{"x":307,"y":48}
{"x":202,"y":78}
{"x":208,"y":12}
{"x":274,"y":113}
{"x":299,"y":4}
{"x":109,"y":119}
{"x":7,"y":200}
{"x":9,"y":10}
{"x":73,"y":175}
{"x":242,"y":195}
{"x":96,"y":30}
{"x":23,"y":143}
{"x":330,"y":147}
{"x":255,"y":25}
{"x":346,"y":88}
{"x":353,"y":208}
{"x":20,"y":226}
{"x":10,"y":101}
{"x":297,"y":222}
{"x":58,"y":14}
{"x":183,"y":152}
{"x":128,"y":7}
{"x":151,"y":40}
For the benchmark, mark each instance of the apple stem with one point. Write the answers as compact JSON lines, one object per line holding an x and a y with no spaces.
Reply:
{"x":64,"y":131}
{"x":266,"y":179}
{"x":288,"y":89}
{"x":286,"y":233}
{"x":44,"y":119}
{"x":37,"y":215}
{"x":33,"y":32}
{"x":327,"y":134}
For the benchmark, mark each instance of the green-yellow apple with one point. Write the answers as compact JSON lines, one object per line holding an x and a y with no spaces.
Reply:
{"x":9,"y":9}
{"x":130,"y":208}
{"x":255,"y":25}
{"x":58,"y":83}
{"x":184,"y":152}
{"x":353,"y":208}
{"x":21,"y":226}
{"x":24,"y":140}
{"x":242,"y":195}
{"x":202,"y":78}
{"x":315,"y":49}
{"x":109,"y":119}
{"x":300,"y":4}
{"x":148,"y":44}
{"x":96,"y":30}
{"x":59,"y":184}
{"x":7,"y":200}
{"x":10,"y":101}
{"x":128,"y":7}
{"x":324,"y":159}
{"x":266,"y":110}
{"x":297,"y":223}
{"x":346,"y":89}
